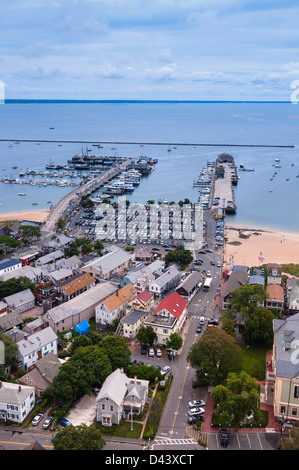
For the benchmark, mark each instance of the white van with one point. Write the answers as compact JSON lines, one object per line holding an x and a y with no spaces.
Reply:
{"x":202,"y":320}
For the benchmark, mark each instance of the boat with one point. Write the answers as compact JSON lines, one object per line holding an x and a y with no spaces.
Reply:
{"x":35,"y":203}
{"x":22,"y":194}
{"x":277,"y":159}
{"x":51,"y":128}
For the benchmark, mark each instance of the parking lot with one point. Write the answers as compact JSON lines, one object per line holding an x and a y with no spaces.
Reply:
{"x":245,"y":441}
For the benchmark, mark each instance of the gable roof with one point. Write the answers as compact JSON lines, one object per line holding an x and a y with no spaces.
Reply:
{"x":236,"y":279}
{"x":36,"y":341}
{"x":77,"y":284}
{"x":110,"y":261}
{"x":144,"y":296}
{"x":275,"y":291}
{"x":114,"y":387}
{"x":173,"y":303}
{"x":14,"y":394}
{"x":119,"y":297}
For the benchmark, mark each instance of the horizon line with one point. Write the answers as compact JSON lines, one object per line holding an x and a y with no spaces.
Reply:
{"x":50,"y":100}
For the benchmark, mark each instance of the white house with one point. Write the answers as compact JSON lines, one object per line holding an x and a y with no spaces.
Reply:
{"x":115,"y":305}
{"x":168,"y":280}
{"x":21,"y":301}
{"x":34,"y":347}
{"x":16,"y":401}
{"x":120,"y":397}
{"x":7,"y":266}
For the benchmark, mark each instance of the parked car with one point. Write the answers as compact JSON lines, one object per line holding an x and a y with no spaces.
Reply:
{"x":133,"y":361}
{"x":165,"y":370}
{"x":47,"y":422}
{"x":196,"y":411}
{"x":37,"y":419}
{"x":198,"y":262}
{"x":193,"y":419}
{"x":224,"y":437}
{"x":219,"y":264}
{"x":195,"y":403}
{"x":64,"y":422}
{"x":158,"y":352}
{"x":151,"y":352}
{"x":143,"y":351}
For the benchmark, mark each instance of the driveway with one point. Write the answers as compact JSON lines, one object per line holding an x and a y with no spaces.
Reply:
{"x":84,"y":411}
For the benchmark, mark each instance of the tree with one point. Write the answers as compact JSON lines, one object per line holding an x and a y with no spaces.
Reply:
{"x":290,"y":442}
{"x":259,"y":326}
{"x":228,"y":321}
{"x":214,"y":356}
{"x":80,"y":341}
{"x":98,"y":246}
{"x":14,"y":285}
{"x":238,"y":398}
{"x":146,"y":335}
{"x":86,"y":202}
{"x":175,"y":342}
{"x":179,"y":256}
{"x":88,"y":365}
{"x":29,"y":232}
{"x":144,"y":372}
{"x":247,"y":296}
{"x":81,"y":437}
{"x":116,"y":348}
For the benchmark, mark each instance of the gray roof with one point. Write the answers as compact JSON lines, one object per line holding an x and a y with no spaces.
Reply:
{"x":169,"y":274}
{"x":19,"y":298}
{"x":10,"y":320}
{"x":9,"y":393}
{"x":110,"y":261}
{"x":81,"y":302}
{"x":287,"y":354}
{"x":190,"y":281}
{"x":114,"y":387}
{"x":50,"y":257}
{"x":134,"y":316}
{"x":236,"y":279}
{"x":134,"y":275}
{"x":49,"y":365}
{"x":257,"y":280}
{"x":36,"y":341}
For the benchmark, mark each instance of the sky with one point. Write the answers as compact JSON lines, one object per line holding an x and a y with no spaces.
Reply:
{"x":149,"y":49}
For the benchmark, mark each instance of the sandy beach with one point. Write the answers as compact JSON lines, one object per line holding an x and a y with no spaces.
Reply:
{"x":276,"y":247}
{"x":35,"y":216}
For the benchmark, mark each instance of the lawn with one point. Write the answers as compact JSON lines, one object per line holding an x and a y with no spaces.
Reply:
{"x":255,"y":360}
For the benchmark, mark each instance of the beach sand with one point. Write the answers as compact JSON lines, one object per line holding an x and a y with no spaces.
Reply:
{"x":276,"y":247}
{"x":35,"y":216}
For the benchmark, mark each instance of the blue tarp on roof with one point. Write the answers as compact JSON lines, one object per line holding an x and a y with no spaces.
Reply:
{"x":82,"y":328}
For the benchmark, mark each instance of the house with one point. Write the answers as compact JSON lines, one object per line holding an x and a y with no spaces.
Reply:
{"x":50,"y":258}
{"x":76,"y":286}
{"x":282,"y":380}
{"x":166,"y":281}
{"x":41,"y":375}
{"x":9,"y":265}
{"x":27,"y":255}
{"x":143,"y":301}
{"x":274,"y":273}
{"x":190,"y":284}
{"x":62,"y":243}
{"x":104,"y":267}
{"x":292,"y":289}
{"x":120,"y":397}
{"x":32,"y":273}
{"x":257,"y":280}
{"x":143,"y":254}
{"x":169,"y":317}
{"x":82,"y":307}
{"x":34,"y":347}
{"x":73,"y":264}
{"x":141,"y":276}
{"x":35,"y":325}
{"x":16,"y":401}
{"x":237,"y":278}
{"x":114,"y":306}
{"x":131,"y":323}
{"x":275,"y":298}
{"x":10,"y":320}
{"x":20,"y":302}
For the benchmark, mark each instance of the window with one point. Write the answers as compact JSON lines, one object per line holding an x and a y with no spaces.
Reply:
{"x":103,"y":407}
{"x":296,"y":391}
{"x":294,"y":411}
{"x":282,"y":410}
{"x":111,"y":408}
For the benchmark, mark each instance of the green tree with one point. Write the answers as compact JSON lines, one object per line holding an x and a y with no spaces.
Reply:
{"x":98,"y":246}
{"x":175,"y":342}
{"x":29,"y":232}
{"x":228,"y":322}
{"x":291,"y":441}
{"x":247,"y":296}
{"x":238,"y":398}
{"x":144,"y":372}
{"x":259,"y":326}
{"x":81,"y":437}
{"x":80,"y":341}
{"x":146,"y":335}
{"x":180,"y":256}
{"x":117,"y":350}
{"x":214,"y":356}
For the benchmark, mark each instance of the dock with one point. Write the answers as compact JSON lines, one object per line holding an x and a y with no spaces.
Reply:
{"x":225,"y":177}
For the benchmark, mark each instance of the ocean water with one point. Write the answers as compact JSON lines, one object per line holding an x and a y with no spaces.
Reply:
{"x":161,"y":122}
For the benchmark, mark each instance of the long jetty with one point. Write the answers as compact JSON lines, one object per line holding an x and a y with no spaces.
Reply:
{"x":147,"y":143}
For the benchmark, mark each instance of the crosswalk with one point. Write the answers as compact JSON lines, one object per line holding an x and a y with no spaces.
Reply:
{"x":166,"y":441}
{"x":194,"y":434}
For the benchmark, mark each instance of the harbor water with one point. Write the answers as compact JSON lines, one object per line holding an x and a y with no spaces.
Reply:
{"x":265,"y":198}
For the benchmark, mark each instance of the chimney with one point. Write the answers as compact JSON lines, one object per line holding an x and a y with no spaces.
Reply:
{"x":0,"y":384}
{"x":135,"y":379}
{"x":122,"y":370}
{"x":20,"y":388}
